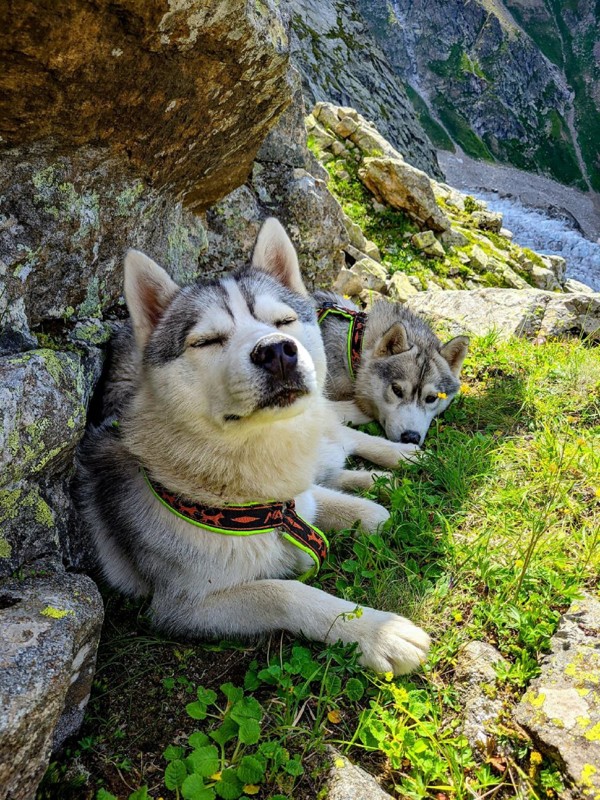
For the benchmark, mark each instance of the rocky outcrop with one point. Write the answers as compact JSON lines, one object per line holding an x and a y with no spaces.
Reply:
{"x":43,"y":405}
{"x":50,"y":629}
{"x":530,"y":312}
{"x":181,"y":94}
{"x":428,"y":234}
{"x":287,"y":182}
{"x":561,"y":708}
{"x":341,"y":63}
{"x":397,"y":184}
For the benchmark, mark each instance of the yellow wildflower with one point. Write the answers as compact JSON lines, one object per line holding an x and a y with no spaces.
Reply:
{"x":442,"y":395}
{"x":251,"y":788}
{"x":216,"y":776}
{"x":465,"y":388}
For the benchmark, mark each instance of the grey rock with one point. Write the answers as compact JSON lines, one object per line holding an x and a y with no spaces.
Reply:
{"x":561,"y":709}
{"x":356,"y":235}
{"x":43,"y":402}
{"x":557,"y":265}
{"x":476,"y":688}
{"x":49,"y":627}
{"x":346,"y":781}
{"x":453,"y":238}
{"x":488,"y":220}
{"x":423,"y":239}
{"x":400,"y":287}
{"x":371,"y":273}
{"x":573,"y":286}
{"x":403,"y":187}
{"x":512,"y":312}
{"x":478,"y":258}
{"x":544,"y":278}
{"x":372,"y":250}
{"x":348,"y":283}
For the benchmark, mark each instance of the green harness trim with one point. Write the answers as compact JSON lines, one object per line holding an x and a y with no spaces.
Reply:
{"x":356,"y":331}
{"x":249,"y":519}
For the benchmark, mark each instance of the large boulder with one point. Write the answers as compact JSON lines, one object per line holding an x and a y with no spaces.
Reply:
{"x":184,"y":93}
{"x":511,"y":312}
{"x":43,"y":405}
{"x":396,"y":183}
{"x":117,"y":121}
{"x":50,"y":630}
{"x":561,"y":708}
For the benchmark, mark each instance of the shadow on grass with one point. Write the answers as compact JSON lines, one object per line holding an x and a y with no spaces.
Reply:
{"x":429,"y":500}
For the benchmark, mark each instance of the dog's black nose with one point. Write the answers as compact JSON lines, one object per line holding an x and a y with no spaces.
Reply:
{"x":410,"y":437}
{"x":279,"y":358}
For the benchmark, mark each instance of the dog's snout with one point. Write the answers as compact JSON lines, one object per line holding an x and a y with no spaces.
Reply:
{"x":278,"y":357}
{"x":410,"y":437}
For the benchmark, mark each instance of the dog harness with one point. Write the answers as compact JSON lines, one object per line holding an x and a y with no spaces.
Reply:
{"x":247,"y":520}
{"x":356,"y":331}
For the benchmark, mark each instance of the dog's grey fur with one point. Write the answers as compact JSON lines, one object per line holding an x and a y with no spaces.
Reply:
{"x":198,"y":413}
{"x":400,"y":355}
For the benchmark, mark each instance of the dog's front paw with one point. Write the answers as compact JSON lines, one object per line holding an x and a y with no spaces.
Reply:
{"x":373,"y":515}
{"x":390,"y":643}
{"x":408,"y":452}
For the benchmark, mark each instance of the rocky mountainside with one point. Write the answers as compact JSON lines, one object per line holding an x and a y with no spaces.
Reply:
{"x":341,"y":62}
{"x":513,"y":80}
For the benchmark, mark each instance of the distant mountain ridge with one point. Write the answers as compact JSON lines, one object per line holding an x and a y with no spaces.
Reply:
{"x":515,"y":81}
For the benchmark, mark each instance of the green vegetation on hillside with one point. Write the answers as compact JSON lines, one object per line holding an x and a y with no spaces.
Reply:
{"x":491,"y":537}
{"x":439,"y":137}
{"x":460,"y":129}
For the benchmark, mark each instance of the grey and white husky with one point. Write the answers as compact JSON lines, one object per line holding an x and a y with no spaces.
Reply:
{"x":387,"y":365}
{"x":215,"y":401}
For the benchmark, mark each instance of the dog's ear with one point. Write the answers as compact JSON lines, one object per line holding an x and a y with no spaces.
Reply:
{"x":393,"y":341}
{"x":454,"y":352}
{"x":148,"y":292}
{"x":274,"y":253}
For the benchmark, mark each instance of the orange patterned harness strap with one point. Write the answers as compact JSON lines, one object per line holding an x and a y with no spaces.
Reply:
{"x":248,"y":519}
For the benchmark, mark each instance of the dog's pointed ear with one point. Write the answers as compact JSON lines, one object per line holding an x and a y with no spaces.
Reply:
{"x":454,"y":352}
{"x":148,"y":292}
{"x":274,"y":253}
{"x":393,"y":341}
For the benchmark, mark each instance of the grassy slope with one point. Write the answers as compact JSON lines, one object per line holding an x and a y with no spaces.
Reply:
{"x":490,"y":538}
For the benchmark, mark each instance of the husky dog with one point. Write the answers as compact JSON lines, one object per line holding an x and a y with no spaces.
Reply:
{"x":218,"y":412}
{"x":387,"y":365}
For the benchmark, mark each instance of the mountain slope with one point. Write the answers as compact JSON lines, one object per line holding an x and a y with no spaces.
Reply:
{"x":500,"y":77}
{"x":340,"y":62}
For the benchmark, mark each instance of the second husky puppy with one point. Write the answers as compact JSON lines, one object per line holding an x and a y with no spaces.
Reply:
{"x":223,"y":431}
{"x":387,"y":365}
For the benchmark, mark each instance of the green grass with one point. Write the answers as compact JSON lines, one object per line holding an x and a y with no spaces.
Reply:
{"x":491,"y":537}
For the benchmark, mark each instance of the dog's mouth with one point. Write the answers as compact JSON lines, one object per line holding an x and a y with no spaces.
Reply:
{"x":283,"y":397}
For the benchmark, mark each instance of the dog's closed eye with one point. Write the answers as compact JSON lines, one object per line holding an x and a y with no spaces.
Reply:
{"x":280,"y":323}
{"x":208,"y":341}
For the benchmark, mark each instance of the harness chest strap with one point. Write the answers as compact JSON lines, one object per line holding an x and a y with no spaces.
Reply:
{"x":247,"y":520}
{"x":356,"y":331}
